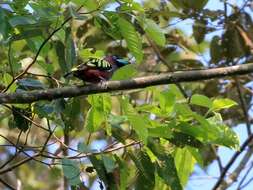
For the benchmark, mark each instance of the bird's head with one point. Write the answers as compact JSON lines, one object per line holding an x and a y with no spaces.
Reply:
{"x":120,"y":62}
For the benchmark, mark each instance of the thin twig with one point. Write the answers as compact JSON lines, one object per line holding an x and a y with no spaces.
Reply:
{"x":243,"y":105}
{"x":6,"y":184}
{"x":245,"y":176}
{"x":231,"y":161}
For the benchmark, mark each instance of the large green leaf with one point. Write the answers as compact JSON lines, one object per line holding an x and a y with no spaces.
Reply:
{"x":70,"y":50}
{"x":226,"y":136}
{"x":154,"y":31}
{"x":167,"y":100}
{"x":73,"y":114}
{"x":200,"y":30}
{"x":21,"y":20}
{"x":126,"y":72}
{"x":98,"y":113}
{"x":184,"y":163}
{"x":216,"y":49}
{"x":145,"y":171}
{"x":165,"y":166}
{"x":5,"y":27}
{"x":201,"y":100}
{"x":20,"y":116}
{"x":189,"y":4}
{"x":224,"y":103}
{"x":109,"y":163}
{"x":140,"y":125}
{"x":71,"y":171}
{"x":133,"y":40}
{"x":60,"y":52}
{"x":124,"y":172}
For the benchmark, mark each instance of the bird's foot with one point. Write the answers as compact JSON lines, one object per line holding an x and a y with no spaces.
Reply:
{"x":103,"y":84}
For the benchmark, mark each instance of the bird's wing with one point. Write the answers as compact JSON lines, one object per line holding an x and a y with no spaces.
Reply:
{"x":95,"y":63}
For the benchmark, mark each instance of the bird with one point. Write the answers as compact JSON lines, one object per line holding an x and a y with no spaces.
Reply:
{"x":97,"y":70}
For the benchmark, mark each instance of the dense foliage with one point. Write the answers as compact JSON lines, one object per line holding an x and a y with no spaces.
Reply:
{"x":147,"y":138}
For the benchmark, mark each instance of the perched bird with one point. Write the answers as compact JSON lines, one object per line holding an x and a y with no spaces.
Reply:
{"x":97,"y":70}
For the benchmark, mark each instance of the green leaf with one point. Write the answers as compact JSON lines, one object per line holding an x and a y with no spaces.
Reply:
{"x":94,"y":119}
{"x":71,"y":171}
{"x":90,"y":4}
{"x":126,"y":72}
{"x":108,"y":22}
{"x":30,"y":84}
{"x":180,"y":139}
{"x":201,"y":100}
{"x":226,"y":136}
{"x":145,"y":176}
{"x":102,"y":102}
{"x":183,"y":110}
{"x":73,"y":114}
{"x":98,"y":113}
{"x":189,"y":4}
{"x":7,"y":78}
{"x":87,"y":53}
{"x":154,"y":32}
{"x":21,"y":20}
{"x":35,"y":43}
{"x":133,"y":40}
{"x":43,"y":109}
{"x":165,"y":166}
{"x":216,"y":49}
{"x":184,"y":162}
{"x":233,"y":43}
{"x":124,"y":172}
{"x":100,"y":168}
{"x":224,"y":103}
{"x":60,"y":52}
{"x":20,"y":116}
{"x":131,"y":6}
{"x":140,"y":125}
{"x":70,"y":50}
{"x":81,"y":147}
{"x":5,"y":27}
{"x":167,"y":100}
{"x":109,"y":163}
{"x":27,"y":34}
{"x":162,"y":132}
{"x":199,"y":30}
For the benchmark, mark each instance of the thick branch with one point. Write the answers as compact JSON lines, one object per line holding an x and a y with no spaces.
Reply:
{"x":142,"y":82}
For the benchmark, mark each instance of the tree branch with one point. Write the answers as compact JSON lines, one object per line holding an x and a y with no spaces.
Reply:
{"x":141,"y":82}
{"x":231,"y":161}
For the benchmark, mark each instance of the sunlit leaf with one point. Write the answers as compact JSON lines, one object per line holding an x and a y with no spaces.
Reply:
{"x":184,"y":162}
{"x":133,"y":40}
{"x":154,"y":32}
{"x":201,"y":100}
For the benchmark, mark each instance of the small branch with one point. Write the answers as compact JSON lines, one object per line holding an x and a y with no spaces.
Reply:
{"x":65,"y":154}
{"x":162,"y":59}
{"x":243,"y":105}
{"x":234,"y":175}
{"x":231,"y":161}
{"x":82,"y":155}
{"x":245,"y":176}
{"x":19,"y":164}
{"x":6,"y":184}
{"x":142,"y":82}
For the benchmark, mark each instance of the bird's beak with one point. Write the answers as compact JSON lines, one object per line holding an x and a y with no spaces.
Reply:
{"x":74,"y":69}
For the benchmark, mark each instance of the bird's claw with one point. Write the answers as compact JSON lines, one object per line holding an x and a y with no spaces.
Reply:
{"x":103,"y":84}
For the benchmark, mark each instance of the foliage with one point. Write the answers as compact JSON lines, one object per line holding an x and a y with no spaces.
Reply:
{"x":153,"y":136}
